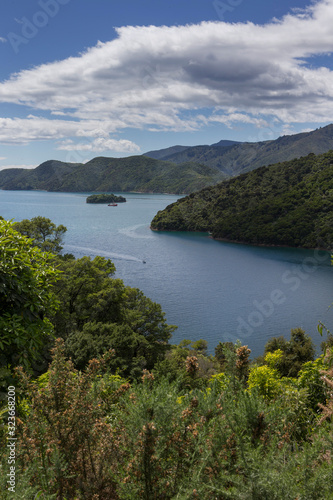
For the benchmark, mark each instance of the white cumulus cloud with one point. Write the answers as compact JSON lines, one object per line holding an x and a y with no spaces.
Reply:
{"x":161,"y":78}
{"x":34,"y":128}
{"x":100,"y":144}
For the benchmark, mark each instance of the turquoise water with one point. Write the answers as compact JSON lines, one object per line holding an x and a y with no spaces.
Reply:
{"x":213,"y":290}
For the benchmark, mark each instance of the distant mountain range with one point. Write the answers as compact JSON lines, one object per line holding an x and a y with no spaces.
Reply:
{"x":233,"y":158}
{"x":286,"y":204}
{"x":162,"y":154}
{"x":178,"y":169}
{"x":134,"y":173}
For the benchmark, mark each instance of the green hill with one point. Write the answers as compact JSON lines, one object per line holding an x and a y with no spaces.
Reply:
{"x":140,"y":173}
{"x":8,"y":174}
{"x":288,"y":203}
{"x":51,"y":172}
{"x":235,"y":158}
{"x":134,"y":173}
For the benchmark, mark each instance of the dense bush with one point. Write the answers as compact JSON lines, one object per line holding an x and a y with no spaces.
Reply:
{"x":90,"y":435}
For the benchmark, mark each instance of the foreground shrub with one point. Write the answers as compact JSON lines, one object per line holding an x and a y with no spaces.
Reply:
{"x":92,"y":435}
{"x":65,"y":443}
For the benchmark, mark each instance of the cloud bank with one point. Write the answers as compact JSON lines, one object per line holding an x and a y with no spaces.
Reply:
{"x":162,"y":78}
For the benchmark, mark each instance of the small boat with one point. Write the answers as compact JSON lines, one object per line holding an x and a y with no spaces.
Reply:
{"x":112,"y":204}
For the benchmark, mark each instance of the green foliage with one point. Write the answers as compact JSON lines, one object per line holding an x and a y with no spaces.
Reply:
{"x":301,"y":397}
{"x":85,"y":284}
{"x":221,"y":379}
{"x":27,"y":300}
{"x":43,"y":232}
{"x":133,"y":351}
{"x":266,"y":380}
{"x":189,"y":363}
{"x":284,"y":204}
{"x":297,"y":351}
{"x":221,"y":352}
{"x":105,"y":198}
{"x":273,"y":359}
{"x":310,"y":377}
{"x":200,"y":346}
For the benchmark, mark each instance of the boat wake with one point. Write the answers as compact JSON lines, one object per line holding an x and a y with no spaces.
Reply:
{"x":93,"y":252}
{"x":132,"y":232}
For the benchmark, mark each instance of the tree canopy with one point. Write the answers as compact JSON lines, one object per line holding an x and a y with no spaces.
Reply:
{"x":96,"y":312}
{"x":105,"y":198}
{"x":99,"y":312}
{"x":45,"y":234}
{"x":27,"y":298}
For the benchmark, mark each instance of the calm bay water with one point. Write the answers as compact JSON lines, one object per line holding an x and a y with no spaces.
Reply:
{"x":213,"y":290}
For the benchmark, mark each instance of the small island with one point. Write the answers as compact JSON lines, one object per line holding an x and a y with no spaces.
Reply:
{"x":105,"y":198}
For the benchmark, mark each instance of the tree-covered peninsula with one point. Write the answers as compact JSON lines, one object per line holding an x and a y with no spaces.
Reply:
{"x":287,"y":204}
{"x":105,"y":198}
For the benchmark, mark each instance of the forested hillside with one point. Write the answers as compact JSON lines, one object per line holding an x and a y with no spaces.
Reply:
{"x":288,"y":203}
{"x":178,"y":169}
{"x":135,"y":173}
{"x":48,"y":173}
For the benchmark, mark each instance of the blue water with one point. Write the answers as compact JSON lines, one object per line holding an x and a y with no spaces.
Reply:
{"x":213,"y":290}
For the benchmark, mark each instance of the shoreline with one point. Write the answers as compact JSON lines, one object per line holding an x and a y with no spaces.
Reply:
{"x":238,"y":242}
{"x":267,"y":245}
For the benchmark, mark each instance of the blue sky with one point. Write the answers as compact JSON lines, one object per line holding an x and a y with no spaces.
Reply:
{"x":86,"y":78}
